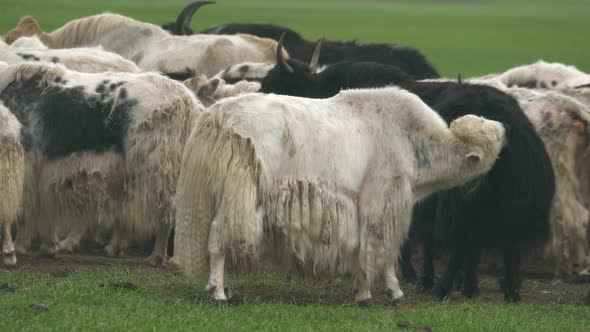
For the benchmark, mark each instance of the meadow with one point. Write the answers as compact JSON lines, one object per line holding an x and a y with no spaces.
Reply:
{"x":459,"y":36}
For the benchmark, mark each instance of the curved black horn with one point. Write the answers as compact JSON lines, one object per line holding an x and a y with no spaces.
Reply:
{"x":183,"y":21}
{"x":313,"y":64}
{"x":280,"y":59}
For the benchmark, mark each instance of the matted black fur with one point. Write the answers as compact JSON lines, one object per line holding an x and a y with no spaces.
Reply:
{"x":331,"y":80}
{"x":59,"y":120}
{"x":506,"y":209}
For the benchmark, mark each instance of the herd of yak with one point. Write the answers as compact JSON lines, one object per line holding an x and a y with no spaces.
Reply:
{"x":247,"y":141}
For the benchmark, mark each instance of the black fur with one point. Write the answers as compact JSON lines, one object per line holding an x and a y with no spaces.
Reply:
{"x":408,"y":59}
{"x":61,"y":120}
{"x":181,"y":75}
{"x":26,"y":56}
{"x":506,"y":209}
{"x":331,"y":80}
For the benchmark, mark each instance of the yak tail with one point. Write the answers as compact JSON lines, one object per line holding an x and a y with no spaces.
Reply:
{"x":217,"y":204}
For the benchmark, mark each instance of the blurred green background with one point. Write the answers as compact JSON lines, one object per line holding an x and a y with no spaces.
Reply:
{"x":471,"y":37}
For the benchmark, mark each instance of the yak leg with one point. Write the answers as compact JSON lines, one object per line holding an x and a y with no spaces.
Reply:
{"x":427,"y":277}
{"x":23,"y":238}
{"x":470,"y":287}
{"x":8,"y":254}
{"x":363,"y":293}
{"x":408,"y":271}
{"x":216,"y":278}
{"x":160,"y":253}
{"x":49,"y":241}
{"x":118,"y":243}
{"x":394,"y":292}
{"x":510,"y":284}
{"x":446,"y":283}
{"x":72,"y":241}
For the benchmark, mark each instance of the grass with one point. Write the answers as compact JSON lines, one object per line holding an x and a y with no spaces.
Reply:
{"x":459,"y":36}
{"x":471,"y":37}
{"x":94,"y":293}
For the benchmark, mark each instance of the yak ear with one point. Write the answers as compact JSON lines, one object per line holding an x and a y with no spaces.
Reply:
{"x":214,"y":83}
{"x":474,"y":157}
{"x":280,"y":58}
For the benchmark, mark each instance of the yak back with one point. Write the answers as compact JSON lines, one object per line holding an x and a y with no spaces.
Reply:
{"x":329,"y":82}
{"x":59,"y":119}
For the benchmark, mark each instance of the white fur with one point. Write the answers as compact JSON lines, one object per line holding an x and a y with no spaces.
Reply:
{"x":546,"y":75}
{"x":87,"y":60}
{"x":329,"y":182}
{"x":12,"y":170}
{"x":151,"y":47}
{"x":208,"y":91}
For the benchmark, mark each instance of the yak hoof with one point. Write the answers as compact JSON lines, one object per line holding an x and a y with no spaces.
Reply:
{"x":113,"y":251}
{"x":439,"y":293}
{"x":157,"y":260}
{"x":511,"y":297}
{"x":9,"y":259}
{"x":394,"y":297}
{"x":471,"y":293}
{"x":48,"y":251}
{"x":364,"y":303}
{"x":425,"y":284}
{"x":21,"y":250}
{"x":67,"y":247}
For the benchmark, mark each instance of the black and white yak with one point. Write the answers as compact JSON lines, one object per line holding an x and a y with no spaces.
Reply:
{"x":92,"y":140}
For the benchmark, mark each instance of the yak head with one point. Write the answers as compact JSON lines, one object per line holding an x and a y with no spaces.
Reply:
{"x":290,"y":76}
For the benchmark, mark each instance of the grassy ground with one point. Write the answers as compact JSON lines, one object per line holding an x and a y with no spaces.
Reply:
{"x":472,"y":37}
{"x":95,"y":293}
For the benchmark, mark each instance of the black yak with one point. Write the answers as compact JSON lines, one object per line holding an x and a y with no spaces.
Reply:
{"x":408,"y":59}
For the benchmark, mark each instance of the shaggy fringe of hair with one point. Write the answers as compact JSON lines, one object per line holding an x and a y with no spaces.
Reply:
{"x":153,"y":152}
{"x":219,"y":173}
{"x":12,"y":167}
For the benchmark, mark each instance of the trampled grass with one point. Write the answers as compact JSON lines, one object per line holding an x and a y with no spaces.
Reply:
{"x":458,"y":36}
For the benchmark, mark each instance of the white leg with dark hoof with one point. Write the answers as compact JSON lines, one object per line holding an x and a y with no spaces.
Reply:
{"x":8,"y":252}
{"x":71,"y":243}
{"x":363,"y":295}
{"x":393,"y":291}
{"x":215,"y":286}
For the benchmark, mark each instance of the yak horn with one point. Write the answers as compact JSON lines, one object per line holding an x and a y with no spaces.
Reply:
{"x":313,"y":64}
{"x":183,"y":21}
{"x":280,"y":59}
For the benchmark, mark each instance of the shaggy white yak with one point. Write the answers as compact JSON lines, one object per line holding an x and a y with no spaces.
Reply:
{"x":543,"y":75}
{"x":330,"y":182}
{"x":209,"y":91}
{"x":12,"y":172}
{"x":86,"y":60}
{"x":151,"y":47}
{"x":99,"y":143}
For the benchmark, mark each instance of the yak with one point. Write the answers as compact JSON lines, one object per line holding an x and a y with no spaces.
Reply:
{"x":506,"y":209}
{"x":408,"y":59}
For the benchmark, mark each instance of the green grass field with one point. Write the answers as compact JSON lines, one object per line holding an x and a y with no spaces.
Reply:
{"x":458,"y":36}
{"x":471,"y":37}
